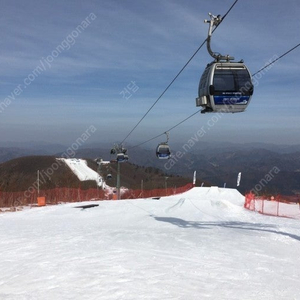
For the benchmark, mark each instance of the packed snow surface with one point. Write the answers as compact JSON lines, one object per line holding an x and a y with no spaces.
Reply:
{"x":201,"y":244}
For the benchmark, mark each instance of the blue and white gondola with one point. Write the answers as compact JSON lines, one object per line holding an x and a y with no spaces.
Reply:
{"x":225,"y":87}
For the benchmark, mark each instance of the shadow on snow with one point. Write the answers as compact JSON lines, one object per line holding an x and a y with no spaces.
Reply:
{"x":237,"y":225}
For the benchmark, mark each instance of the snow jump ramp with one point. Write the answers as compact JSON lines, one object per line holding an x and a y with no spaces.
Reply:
{"x":213,"y":193}
{"x":205,"y":203}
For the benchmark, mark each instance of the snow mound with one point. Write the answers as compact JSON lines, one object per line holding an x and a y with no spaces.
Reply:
{"x":215,"y":193}
{"x":208,"y":202}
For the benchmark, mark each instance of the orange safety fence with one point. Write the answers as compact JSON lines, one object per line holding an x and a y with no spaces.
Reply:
{"x":52,"y":196}
{"x":58,"y":195}
{"x":280,"y":206}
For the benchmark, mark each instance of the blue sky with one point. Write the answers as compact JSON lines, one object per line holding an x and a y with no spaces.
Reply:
{"x":61,"y":79}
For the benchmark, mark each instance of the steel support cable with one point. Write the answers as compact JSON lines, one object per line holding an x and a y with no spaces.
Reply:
{"x":187,"y":118}
{"x":167,"y":130}
{"x":272,"y":62}
{"x":161,"y":95}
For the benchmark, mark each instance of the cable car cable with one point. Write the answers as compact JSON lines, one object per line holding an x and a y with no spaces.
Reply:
{"x":284,"y":54}
{"x":166,"y":130}
{"x":164,"y":91}
{"x":187,"y":118}
{"x":138,"y":123}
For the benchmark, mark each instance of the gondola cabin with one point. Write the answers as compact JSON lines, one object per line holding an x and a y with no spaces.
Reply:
{"x":121,"y":157}
{"x":225,"y":87}
{"x":163,"y":151}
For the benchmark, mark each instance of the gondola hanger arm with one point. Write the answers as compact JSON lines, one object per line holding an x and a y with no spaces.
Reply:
{"x":167,"y":134}
{"x":214,"y":23}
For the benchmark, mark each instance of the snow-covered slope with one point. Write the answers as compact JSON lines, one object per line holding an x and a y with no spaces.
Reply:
{"x":201,"y":244}
{"x":80,"y":168}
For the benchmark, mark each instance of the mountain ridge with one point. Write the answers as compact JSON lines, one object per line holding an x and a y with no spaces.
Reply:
{"x":217,"y":163}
